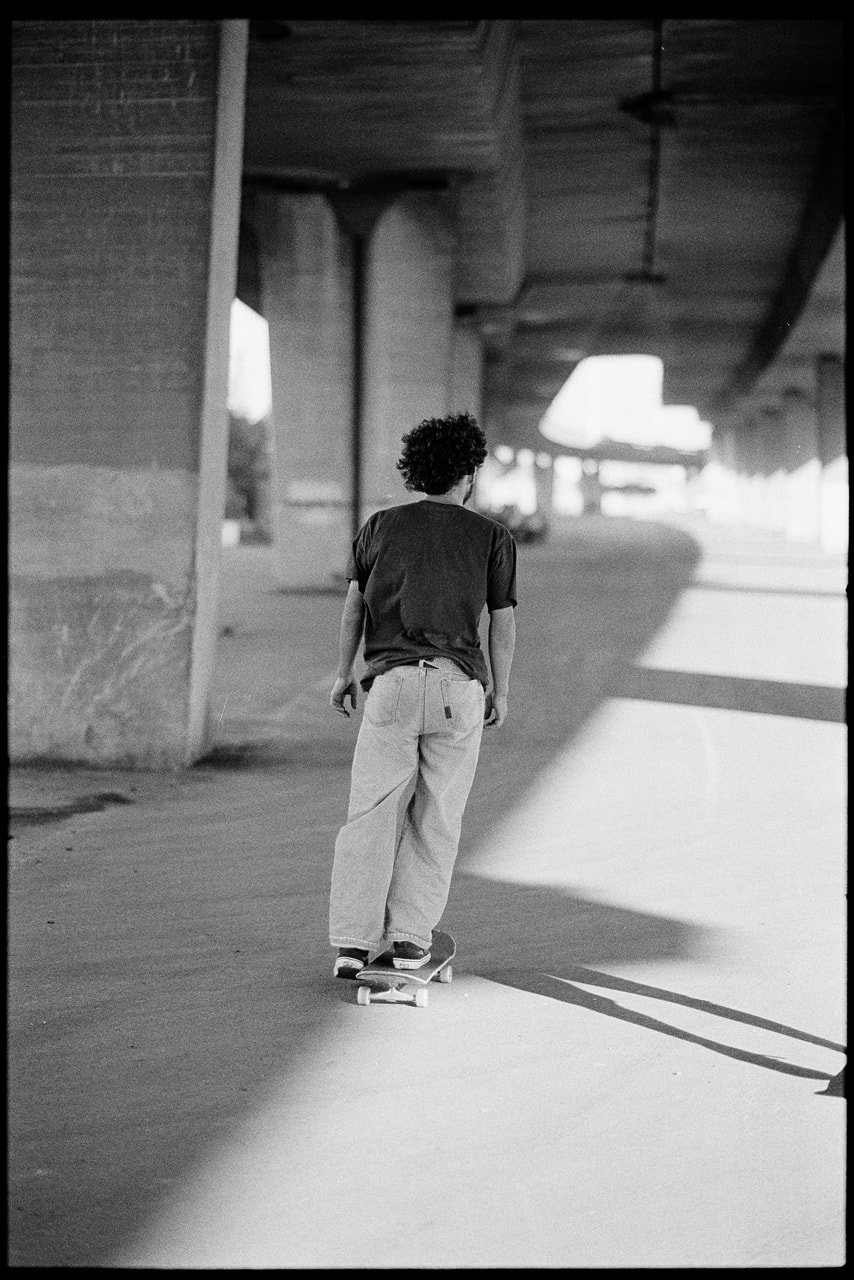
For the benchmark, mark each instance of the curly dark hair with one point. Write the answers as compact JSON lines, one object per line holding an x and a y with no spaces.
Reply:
{"x":441,"y":451}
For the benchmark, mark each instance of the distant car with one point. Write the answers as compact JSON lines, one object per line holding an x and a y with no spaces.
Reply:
{"x":525,"y":528}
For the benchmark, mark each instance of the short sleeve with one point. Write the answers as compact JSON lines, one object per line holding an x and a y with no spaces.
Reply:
{"x":358,"y":566}
{"x":501,"y":575}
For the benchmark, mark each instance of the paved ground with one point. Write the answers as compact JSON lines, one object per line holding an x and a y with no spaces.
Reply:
{"x":637,"y":1062}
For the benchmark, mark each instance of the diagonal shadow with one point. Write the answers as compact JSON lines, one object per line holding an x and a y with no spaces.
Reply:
{"x":733,"y":693}
{"x":738,"y":588}
{"x":564,"y":988}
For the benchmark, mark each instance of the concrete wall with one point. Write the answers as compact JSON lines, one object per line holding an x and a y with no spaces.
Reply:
{"x":125,"y":196}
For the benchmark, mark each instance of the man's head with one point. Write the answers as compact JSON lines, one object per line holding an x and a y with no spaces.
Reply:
{"x":440,"y":452}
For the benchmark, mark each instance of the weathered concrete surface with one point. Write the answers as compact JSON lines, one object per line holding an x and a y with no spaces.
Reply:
{"x":632,"y":1065}
{"x":102,"y":611}
{"x":127,"y":139}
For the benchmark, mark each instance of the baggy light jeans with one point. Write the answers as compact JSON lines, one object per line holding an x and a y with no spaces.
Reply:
{"x":413,"y":767}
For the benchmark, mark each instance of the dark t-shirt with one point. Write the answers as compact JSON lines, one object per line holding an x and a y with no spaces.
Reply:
{"x":426,"y":570}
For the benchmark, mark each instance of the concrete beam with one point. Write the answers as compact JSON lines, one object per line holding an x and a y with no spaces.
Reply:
{"x":820,"y":224}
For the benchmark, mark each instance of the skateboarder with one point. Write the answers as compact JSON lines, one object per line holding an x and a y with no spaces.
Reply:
{"x":420,"y":575}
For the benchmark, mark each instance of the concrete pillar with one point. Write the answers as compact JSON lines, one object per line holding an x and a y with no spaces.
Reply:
{"x":305,"y":269}
{"x":466,"y":393}
{"x":408,"y":336}
{"x":544,"y":483}
{"x":830,"y":408}
{"x":488,"y":476}
{"x":126,"y":161}
{"x":741,"y":454}
{"x":497,"y":370}
{"x":719,"y":476}
{"x":802,"y":467}
{"x":830,"y":423}
{"x":722,"y":451}
{"x":750,"y":466}
{"x":772,"y":452}
{"x":765,"y":427}
{"x":590,"y":487}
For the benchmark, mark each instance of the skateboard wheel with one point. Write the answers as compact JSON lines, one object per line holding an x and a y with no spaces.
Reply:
{"x":363,"y":995}
{"x":446,"y":974}
{"x":421,"y":997}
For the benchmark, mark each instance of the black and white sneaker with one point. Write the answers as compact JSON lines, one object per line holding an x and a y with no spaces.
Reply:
{"x":409,"y":956}
{"x":349,"y":962}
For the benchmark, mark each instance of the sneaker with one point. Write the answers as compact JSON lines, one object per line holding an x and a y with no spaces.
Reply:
{"x":409,"y":956}
{"x":349,"y":962}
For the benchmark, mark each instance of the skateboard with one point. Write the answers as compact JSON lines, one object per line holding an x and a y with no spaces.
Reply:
{"x":380,"y":982}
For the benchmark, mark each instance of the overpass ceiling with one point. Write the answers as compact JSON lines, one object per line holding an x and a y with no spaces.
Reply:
{"x":671,"y":187}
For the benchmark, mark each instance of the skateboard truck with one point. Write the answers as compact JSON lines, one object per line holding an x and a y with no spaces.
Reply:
{"x":381,"y":983}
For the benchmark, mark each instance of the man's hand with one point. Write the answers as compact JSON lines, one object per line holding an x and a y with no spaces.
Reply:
{"x":344,"y":686}
{"x":496,"y":710}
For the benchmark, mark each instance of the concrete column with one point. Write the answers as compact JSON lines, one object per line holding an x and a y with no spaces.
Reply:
{"x":741,"y":454}
{"x":750,"y":465}
{"x":772,"y":452}
{"x":762,"y":432}
{"x":762,"y":429}
{"x":830,"y":408}
{"x":830,"y":423}
{"x":305,"y":269}
{"x":408,"y":336}
{"x":501,"y":459}
{"x":590,"y":487}
{"x":802,"y":467}
{"x":466,"y":394}
{"x":544,"y":483}
{"x":719,"y":476}
{"x":751,"y":449}
{"x":722,"y":451}
{"x":126,"y":160}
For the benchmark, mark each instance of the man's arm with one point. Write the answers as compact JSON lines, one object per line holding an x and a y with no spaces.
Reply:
{"x":350,"y":637}
{"x":502,"y":644}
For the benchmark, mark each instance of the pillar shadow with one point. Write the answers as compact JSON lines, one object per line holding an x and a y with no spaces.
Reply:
{"x":733,"y":693}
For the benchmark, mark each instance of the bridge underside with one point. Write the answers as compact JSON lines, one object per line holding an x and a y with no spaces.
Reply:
{"x":431,"y":216}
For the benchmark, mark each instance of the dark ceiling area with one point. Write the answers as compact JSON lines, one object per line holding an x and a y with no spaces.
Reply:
{"x":670,"y":187}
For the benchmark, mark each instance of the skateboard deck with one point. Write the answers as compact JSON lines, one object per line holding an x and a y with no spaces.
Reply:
{"x":380,"y":981}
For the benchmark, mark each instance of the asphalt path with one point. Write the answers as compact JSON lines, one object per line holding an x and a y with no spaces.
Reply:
{"x":638,"y":1061}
